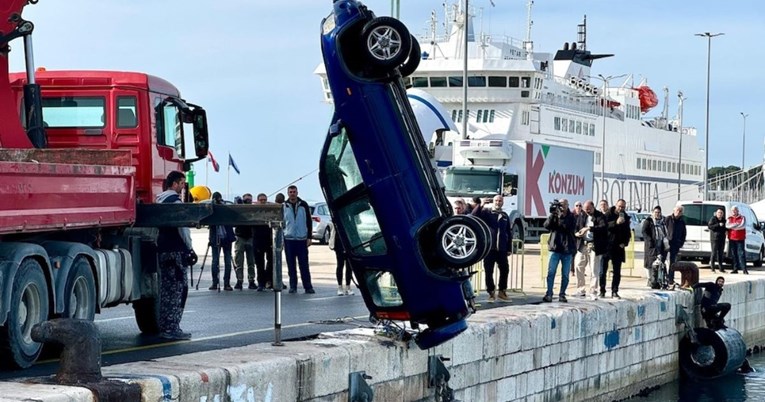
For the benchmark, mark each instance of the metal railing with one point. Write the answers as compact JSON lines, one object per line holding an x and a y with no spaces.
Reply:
{"x":516,"y":262}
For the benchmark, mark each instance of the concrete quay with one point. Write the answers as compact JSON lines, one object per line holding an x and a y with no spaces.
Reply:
{"x":600,"y":350}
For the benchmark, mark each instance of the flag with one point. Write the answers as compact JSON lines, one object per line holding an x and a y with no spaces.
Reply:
{"x":211,"y":158}
{"x":232,"y":163}
{"x":492,"y":3}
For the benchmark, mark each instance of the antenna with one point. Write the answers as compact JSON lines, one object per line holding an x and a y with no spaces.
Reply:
{"x":582,"y":34}
{"x":528,"y":44}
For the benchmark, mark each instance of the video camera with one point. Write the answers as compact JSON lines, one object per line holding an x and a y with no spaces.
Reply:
{"x":556,"y":206}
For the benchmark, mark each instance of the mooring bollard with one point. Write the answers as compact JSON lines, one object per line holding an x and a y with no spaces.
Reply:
{"x":81,"y":357}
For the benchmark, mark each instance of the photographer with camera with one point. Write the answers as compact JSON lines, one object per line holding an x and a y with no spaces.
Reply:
{"x":174,"y":254}
{"x":562,"y":246}
{"x":592,"y":242}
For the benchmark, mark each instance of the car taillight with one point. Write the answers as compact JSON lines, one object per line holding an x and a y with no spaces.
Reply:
{"x":393,"y":315}
{"x":316,"y":219}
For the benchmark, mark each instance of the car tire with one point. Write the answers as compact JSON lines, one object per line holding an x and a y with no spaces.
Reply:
{"x":461,"y":241}
{"x":28,"y":307}
{"x":516,"y":231}
{"x":386,"y":42}
{"x":760,"y":258}
{"x":413,"y":61}
{"x":325,"y":237}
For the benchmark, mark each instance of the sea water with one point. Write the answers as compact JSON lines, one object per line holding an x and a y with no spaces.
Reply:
{"x":735,"y":387}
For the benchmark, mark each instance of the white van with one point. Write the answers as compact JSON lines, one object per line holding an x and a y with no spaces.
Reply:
{"x":697,"y":245}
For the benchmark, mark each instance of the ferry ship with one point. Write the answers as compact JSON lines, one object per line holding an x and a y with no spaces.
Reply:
{"x":517,"y":95}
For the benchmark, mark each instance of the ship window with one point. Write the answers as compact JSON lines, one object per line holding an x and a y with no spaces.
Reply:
{"x":579,"y":127}
{"x":491,"y":116}
{"x":459,"y":116}
{"x":571,"y":127}
{"x":437,"y":82}
{"x":454,"y":115}
{"x":664,"y":166}
{"x":476,"y":81}
{"x":500,"y":82}
{"x":455,"y":81}
{"x":514,"y":82}
{"x":479,"y":115}
{"x":557,"y":123}
{"x":407,"y":82}
{"x":564,"y":125}
{"x":525,"y":82}
{"x":638,"y":163}
{"x":597,"y":158}
{"x":653,"y":165}
{"x":524,"y":94}
{"x":525,"y":118}
{"x":592,"y":130}
{"x":420,"y":82}
{"x":643,"y":163}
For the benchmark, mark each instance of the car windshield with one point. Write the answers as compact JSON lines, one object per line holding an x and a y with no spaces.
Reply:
{"x":472,"y":183}
{"x":357,"y":217}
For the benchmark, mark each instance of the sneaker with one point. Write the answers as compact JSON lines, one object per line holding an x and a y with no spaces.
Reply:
{"x":562,"y":299}
{"x":492,"y":297}
{"x":213,"y":287}
{"x":175,"y":336}
{"x":310,"y":291}
{"x":349,"y":291}
{"x":227,"y":288}
{"x":615,"y":295}
{"x":581,"y":293}
{"x":502,"y":295}
{"x":269,"y":286}
{"x":592,"y":296}
{"x":340,"y":291}
{"x":238,"y":285}
{"x":293,"y":291}
{"x":602,"y":294}
{"x":735,"y":271}
{"x":547,"y":299}
{"x":252,"y":285}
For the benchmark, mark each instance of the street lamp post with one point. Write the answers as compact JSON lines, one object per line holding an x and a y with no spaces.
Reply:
{"x":743,"y":154}
{"x":709,"y":37}
{"x":603,"y":145}
{"x":680,"y":100}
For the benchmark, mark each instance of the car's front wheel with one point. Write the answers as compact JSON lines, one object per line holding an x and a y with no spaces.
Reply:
{"x":461,"y":241}
{"x":760,"y":257}
{"x":387,"y":42}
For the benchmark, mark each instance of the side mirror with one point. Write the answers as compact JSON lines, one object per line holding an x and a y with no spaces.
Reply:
{"x":201,"y":136}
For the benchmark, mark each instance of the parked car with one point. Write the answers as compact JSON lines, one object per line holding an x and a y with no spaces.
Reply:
{"x":636,"y":224}
{"x":408,"y":251}
{"x":321,"y":222}
{"x":697,"y":243}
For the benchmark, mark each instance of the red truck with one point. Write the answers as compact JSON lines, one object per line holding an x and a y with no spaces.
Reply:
{"x":82,"y":156}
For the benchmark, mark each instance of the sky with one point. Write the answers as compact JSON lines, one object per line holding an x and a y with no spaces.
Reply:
{"x":250,"y":64}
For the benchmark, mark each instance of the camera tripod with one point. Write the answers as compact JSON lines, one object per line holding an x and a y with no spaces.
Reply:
{"x":202,"y":269}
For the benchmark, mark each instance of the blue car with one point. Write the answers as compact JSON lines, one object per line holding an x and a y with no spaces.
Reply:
{"x":409,"y":253}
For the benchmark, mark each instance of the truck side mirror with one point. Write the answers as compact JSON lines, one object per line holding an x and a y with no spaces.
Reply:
{"x":201,"y":137}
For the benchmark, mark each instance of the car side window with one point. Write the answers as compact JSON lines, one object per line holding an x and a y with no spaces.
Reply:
{"x":362,"y":228}
{"x":340,"y":164}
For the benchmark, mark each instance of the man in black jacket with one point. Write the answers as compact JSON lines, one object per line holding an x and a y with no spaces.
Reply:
{"x":712,"y":311}
{"x":717,"y":233}
{"x":562,"y":246}
{"x":619,"y":235}
{"x":501,"y":245}
{"x":242,"y":249}
{"x":264,"y":250}
{"x":676,"y":233}
{"x":591,"y":244}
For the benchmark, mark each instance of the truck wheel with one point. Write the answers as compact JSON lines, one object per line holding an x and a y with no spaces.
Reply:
{"x":517,"y":233}
{"x":413,"y":61}
{"x":29,"y":306}
{"x":386,"y":42}
{"x":461,"y":241}
{"x":147,"y":315}
{"x":80,"y":292}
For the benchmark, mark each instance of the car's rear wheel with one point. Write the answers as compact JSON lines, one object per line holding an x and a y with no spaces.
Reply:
{"x":325,"y":236}
{"x":413,"y":61}
{"x":386,"y":42}
{"x":461,"y":241}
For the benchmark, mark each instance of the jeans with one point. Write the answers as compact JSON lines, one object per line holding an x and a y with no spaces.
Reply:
{"x":552,"y":268}
{"x":297,"y":250}
{"x":215,"y":265}
{"x":737,"y":253}
{"x":340,"y":257}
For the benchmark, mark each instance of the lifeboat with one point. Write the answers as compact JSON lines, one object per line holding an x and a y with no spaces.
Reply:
{"x":648,"y":98}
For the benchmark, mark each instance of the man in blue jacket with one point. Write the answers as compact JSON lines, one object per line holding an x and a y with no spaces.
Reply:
{"x":501,"y":239}
{"x":562,"y":246}
{"x":297,"y":238}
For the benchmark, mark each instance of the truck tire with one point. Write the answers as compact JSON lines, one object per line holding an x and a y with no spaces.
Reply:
{"x":461,"y":241}
{"x":516,"y":231}
{"x":147,"y":315}
{"x":29,"y":306}
{"x":80,"y":291}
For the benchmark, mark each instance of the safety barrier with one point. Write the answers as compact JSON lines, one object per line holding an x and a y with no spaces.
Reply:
{"x":628,"y":267}
{"x":516,"y":261}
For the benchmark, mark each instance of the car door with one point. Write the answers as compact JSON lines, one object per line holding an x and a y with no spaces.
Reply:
{"x":754,"y":237}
